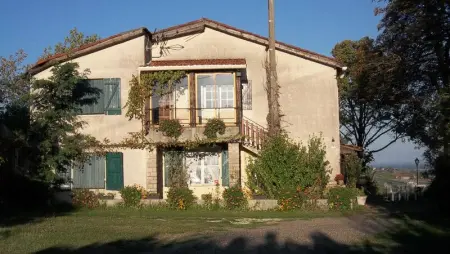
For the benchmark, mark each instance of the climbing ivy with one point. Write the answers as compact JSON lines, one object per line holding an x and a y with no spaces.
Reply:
{"x":145,"y":86}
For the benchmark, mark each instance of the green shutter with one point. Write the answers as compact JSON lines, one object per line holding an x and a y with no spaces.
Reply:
{"x":114,"y":171}
{"x":111,"y":90}
{"x":91,"y":175}
{"x":95,"y":108}
{"x":225,"y":171}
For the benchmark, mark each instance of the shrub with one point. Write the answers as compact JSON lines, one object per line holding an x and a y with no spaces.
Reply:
{"x":207,"y":200}
{"x":178,"y":176}
{"x":171,"y":128}
{"x":142,"y":190}
{"x":352,"y":167}
{"x":341,"y":198}
{"x":85,"y":198}
{"x":131,"y":196}
{"x":290,"y":199}
{"x":180,"y":198}
{"x":214,"y":126}
{"x":284,"y":164}
{"x":234,"y":198}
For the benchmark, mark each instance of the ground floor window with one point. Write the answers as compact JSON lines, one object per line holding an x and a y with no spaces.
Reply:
{"x":202,"y":168}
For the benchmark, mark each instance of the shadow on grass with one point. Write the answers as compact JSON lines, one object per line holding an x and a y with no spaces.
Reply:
{"x":411,"y":238}
{"x":322,"y":244}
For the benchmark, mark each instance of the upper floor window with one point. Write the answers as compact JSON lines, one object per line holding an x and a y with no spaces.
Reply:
{"x":215,"y":90}
{"x":109,"y":101}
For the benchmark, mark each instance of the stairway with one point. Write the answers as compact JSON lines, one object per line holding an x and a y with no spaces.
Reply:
{"x":254,"y":135}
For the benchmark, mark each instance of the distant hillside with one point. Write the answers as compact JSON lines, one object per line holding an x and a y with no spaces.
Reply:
{"x":400,"y":166}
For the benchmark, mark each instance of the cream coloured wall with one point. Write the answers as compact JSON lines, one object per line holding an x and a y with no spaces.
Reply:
{"x":119,"y":61}
{"x":308,"y":94}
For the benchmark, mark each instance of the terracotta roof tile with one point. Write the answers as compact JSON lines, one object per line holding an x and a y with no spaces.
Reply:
{"x":189,"y":62}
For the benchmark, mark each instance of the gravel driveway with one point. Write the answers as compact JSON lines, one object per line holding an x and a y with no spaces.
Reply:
{"x":322,"y":235}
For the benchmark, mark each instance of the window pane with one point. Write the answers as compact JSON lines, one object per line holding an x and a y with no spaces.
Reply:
{"x":211,"y":175}
{"x":205,"y":84}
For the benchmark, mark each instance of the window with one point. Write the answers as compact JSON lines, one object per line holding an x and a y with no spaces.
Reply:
{"x":215,"y":90}
{"x":90,"y":175}
{"x":109,"y":101}
{"x":247,"y":95}
{"x":165,"y":106}
{"x":203,"y":168}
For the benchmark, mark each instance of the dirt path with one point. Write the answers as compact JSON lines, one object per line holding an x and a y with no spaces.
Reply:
{"x":323,"y":235}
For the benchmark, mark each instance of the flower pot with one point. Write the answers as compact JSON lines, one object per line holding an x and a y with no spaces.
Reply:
{"x":361,"y":200}
{"x":340,"y":182}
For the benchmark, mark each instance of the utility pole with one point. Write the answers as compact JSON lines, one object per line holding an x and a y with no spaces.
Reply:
{"x":274,"y":107}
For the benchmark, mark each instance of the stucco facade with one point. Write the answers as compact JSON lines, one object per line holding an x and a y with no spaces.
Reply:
{"x":308,"y":98}
{"x":308,"y":94}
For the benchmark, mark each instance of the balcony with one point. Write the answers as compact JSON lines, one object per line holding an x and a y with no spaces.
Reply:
{"x":193,"y":120}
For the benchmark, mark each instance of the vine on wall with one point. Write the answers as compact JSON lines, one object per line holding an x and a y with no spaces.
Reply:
{"x":147,"y":85}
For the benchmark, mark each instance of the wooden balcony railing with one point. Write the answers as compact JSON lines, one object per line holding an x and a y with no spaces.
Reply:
{"x":254,"y":134}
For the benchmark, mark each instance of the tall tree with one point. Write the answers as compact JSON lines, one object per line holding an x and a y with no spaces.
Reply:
{"x":418,"y":33}
{"x":74,"y":40}
{"x":55,"y":136}
{"x":14,"y":84}
{"x":369,"y":103}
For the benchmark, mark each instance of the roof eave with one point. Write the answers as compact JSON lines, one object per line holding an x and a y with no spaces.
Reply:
{"x":39,"y":67}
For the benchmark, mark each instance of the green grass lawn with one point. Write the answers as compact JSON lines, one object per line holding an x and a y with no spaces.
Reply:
{"x":85,"y":227}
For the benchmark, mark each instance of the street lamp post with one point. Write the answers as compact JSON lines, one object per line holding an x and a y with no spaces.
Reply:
{"x":417,"y":167}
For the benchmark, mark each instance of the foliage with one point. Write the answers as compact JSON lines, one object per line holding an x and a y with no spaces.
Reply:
{"x":178,"y":176}
{"x":273,"y":99}
{"x":234,"y":198}
{"x":367,"y":183}
{"x":291,"y":199}
{"x":22,"y":193}
{"x":74,"y":40}
{"x":438,"y":190}
{"x":285,"y":164}
{"x":147,"y":85}
{"x":340,"y":198}
{"x":54,"y":125}
{"x":418,"y":33}
{"x":207,"y":200}
{"x":352,"y":166}
{"x":339,"y":177}
{"x":85,"y":198}
{"x":14,"y":83}
{"x":368,"y":104}
{"x":171,"y":128}
{"x":105,"y":196}
{"x":131,"y":196}
{"x":180,"y":198}
{"x":214,"y":126}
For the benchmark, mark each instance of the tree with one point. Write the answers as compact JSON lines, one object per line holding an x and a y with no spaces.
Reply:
{"x":54,"y":136}
{"x":14,"y":85}
{"x":418,"y":33}
{"x":369,"y":103}
{"x":74,"y":40}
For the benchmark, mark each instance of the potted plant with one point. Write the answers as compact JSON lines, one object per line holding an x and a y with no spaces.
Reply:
{"x":361,"y":197}
{"x":339,"y":179}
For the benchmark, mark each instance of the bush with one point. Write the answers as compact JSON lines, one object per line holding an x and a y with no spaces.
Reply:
{"x":85,"y":198}
{"x":352,"y":167}
{"x":180,"y":198}
{"x":131,"y":196}
{"x":284,"y":164}
{"x":234,"y":198}
{"x":171,"y":128}
{"x":207,"y":201}
{"x":214,"y":126}
{"x":291,"y":199}
{"x":340,"y":198}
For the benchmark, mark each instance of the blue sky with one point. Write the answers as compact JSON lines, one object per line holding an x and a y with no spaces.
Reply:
{"x":316,"y":25}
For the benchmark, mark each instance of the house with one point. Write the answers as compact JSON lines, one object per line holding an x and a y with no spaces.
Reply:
{"x":225,"y":78}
